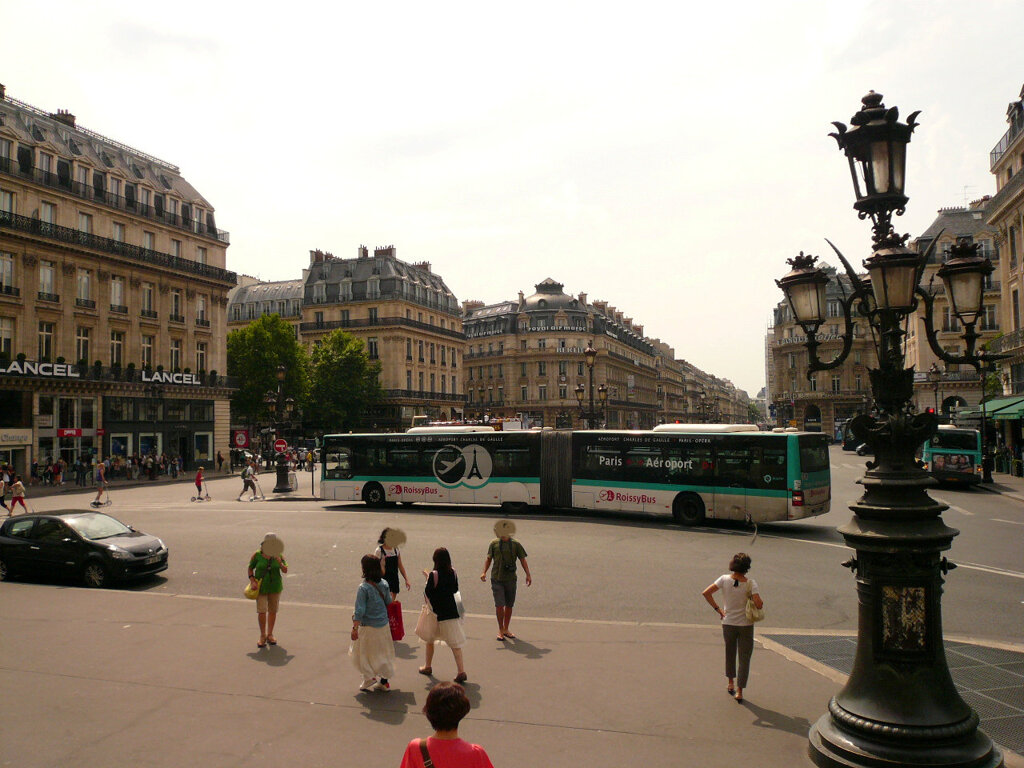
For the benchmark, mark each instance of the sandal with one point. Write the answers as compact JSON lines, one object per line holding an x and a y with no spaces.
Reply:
{"x":263,"y":642}
{"x":509,"y":634}
{"x":461,"y":677}
{"x":500,"y":637}
{"x":271,"y":639}
{"x":731,"y":691}
{"x":428,"y":671}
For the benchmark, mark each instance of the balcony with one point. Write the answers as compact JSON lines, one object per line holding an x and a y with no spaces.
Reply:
{"x":202,"y":322}
{"x":85,"y":303}
{"x":17,"y":223}
{"x":1000,"y":149}
{"x":1010,"y":343}
{"x":51,"y":297}
{"x":10,"y":290}
{"x":119,"y":309}
{"x":176,"y":318}
{"x":131,"y":206}
{"x":149,"y":314}
{"x":330,"y":325}
{"x":418,"y":394}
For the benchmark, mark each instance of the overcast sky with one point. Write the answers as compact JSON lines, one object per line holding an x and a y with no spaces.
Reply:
{"x":666,"y":157}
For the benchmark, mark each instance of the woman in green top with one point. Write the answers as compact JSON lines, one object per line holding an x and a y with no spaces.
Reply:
{"x":265,"y":568}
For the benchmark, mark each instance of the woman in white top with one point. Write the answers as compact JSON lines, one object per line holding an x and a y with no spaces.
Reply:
{"x":737,"y":630}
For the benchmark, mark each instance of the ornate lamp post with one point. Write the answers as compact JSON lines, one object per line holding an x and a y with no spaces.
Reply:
{"x":935,"y":377}
{"x":280,"y":406}
{"x":899,"y":705}
{"x":591,"y":415}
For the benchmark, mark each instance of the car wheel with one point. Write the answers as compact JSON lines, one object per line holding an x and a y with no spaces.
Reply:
{"x":94,"y":574}
{"x":688,"y":509}
{"x":373,"y":495}
{"x":5,"y":574}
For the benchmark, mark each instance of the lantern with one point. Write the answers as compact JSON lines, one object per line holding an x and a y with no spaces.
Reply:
{"x":804,"y":287}
{"x":964,"y":277}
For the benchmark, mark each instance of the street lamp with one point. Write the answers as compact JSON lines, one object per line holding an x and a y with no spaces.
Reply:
{"x":284,"y":407}
{"x":935,"y":377}
{"x":591,"y":415}
{"x":899,"y":705}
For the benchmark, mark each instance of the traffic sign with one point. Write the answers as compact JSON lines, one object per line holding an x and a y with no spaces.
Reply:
{"x":241,"y":438}
{"x":280,"y":445}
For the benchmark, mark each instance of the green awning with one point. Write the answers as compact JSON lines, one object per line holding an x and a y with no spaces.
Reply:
{"x":1005,"y":408}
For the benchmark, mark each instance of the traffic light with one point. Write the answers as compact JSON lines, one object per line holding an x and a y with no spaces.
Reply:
{"x":929,"y":410}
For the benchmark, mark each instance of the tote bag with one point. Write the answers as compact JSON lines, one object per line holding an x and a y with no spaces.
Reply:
{"x":395,"y":620}
{"x":426,"y":625}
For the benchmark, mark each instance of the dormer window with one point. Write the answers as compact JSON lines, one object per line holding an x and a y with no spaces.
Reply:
{"x":319,"y":293}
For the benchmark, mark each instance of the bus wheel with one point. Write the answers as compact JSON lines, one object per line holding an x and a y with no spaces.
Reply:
{"x":688,"y":509}
{"x":373,"y":495}
{"x":513,"y":507}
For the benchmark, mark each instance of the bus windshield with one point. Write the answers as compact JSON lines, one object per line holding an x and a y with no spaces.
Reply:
{"x":955,"y":440}
{"x":813,"y":453}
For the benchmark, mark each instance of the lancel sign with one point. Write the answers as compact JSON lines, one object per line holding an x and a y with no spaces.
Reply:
{"x":69,"y":371}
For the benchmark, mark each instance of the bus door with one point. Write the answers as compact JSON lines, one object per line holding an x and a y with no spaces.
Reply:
{"x":733,"y":465}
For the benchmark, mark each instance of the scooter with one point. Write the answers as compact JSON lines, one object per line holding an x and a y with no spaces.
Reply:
{"x":202,"y":497}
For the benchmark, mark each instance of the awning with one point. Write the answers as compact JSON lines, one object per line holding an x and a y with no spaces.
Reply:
{"x":1005,"y":408}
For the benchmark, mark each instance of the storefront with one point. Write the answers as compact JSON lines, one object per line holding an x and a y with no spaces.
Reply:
{"x":15,"y":445}
{"x":155,"y":426}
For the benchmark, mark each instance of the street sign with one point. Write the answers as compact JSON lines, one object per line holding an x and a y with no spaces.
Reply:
{"x":241,"y":438}
{"x":280,"y":445}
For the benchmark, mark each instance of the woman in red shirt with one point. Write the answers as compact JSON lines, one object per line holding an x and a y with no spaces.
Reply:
{"x":446,"y":706}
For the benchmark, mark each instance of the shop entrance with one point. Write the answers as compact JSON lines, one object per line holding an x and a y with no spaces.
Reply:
{"x":16,"y":457}
{"x":184,"y":452}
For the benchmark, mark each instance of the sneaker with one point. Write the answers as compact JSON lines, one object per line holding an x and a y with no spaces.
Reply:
{"x":367,"y":685}
{"x":382,"y":685}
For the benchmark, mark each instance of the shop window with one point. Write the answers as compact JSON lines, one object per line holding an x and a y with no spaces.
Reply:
{"x":202,"y":441}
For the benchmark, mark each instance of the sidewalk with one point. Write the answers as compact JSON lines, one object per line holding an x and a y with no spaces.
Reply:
{"x":1005,"y":485}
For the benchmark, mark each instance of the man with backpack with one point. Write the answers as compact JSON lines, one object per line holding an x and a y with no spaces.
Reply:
{"x":248,"y":474}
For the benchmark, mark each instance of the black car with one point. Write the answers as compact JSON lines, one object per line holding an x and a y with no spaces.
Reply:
{"x":89,"y":546}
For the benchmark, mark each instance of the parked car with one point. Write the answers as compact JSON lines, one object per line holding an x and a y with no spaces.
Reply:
{"x":90,"y":546}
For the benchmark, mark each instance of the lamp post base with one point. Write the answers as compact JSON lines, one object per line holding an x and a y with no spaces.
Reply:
{"x":830,"y":746}
{"x":283,"y":484}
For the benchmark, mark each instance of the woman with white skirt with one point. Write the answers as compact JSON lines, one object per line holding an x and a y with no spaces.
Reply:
{"x":442,"y":584}
{"x":372,"y":651}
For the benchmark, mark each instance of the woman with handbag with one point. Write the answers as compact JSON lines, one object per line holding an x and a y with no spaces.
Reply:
{"x":265,"y":568}
{"x":440,"y":592}
{"x":742,"y":607}
{"x":372,"y":651}
{"x":445,"y":707}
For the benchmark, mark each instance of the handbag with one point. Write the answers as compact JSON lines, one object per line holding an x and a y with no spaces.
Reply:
{"x":754,"y":614}
{"x":253,"y":593}
{"x":459,"y":605}
{"x":395,"y":620}
{"x":427,"y":762}
{"x":426,"y":625}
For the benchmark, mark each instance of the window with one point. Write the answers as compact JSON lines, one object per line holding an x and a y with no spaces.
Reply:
{"x":454,"y":389}
{"x":542,"y":343}
{"x":46,"y":331}
{"x":542,"y":392}
{"x":6,"y":272}
{"x":201,"y":356}
{"x":201,"y":255}
{"x":563,"y":393}
{"x":149,"y":241}
{"x":443,"y":350}
{"x":523,"y":394}
{"x":858,"y":382}
{"x":420,"y":378}
{"x":433,"y":357}
{"x":175,"y":354}
{"x":148,"y":294}
{"x":469,"y":373}
{"x":453,"y":361}
{"x":48,"y":213}
{"x":117,"y":232}
{"x":82,"y":334}
{"x":408,"y":379}
{"x":988,"y":318}
{"x":201,"y":307}
{"x":371,"y":348}
{"x":563,"y":367}
{"x":116,"y":347}
{"x":6,"y":337}
{"x":236,"y":311}
{"x":579,"y":369}
{"x":117,"y":291}
{"x":408,"y":349}
{"x":85,"y":223}
{"x":6,"y":201}
{"x":542,"y":368}
{"x":319,"y":293}
{"x":47,"y":277}
{"x":836,"y":383}
{"x":522,"y":345}
{"x":421,"y":351}
{"x":84,"y":285}
{"x":1015,"y":308}
{"x":432,"y":384}
{"x":147,"y":351}
{"x":814,"y":383}
{"x":176,"y":305}
{"x":176,"y":247}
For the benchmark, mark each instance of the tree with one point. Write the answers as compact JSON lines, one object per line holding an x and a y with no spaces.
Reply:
{"x":254,"y":354}
{"x":343,"y":382}
{"x":754,"y":415}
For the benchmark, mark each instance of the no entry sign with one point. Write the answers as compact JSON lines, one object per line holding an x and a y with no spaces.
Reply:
{"x":280,"y":445}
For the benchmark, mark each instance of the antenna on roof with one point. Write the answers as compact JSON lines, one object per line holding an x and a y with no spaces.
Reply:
{"x":966,"y":187}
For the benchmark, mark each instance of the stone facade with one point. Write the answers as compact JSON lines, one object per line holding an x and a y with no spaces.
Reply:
{"x":112,"y":274}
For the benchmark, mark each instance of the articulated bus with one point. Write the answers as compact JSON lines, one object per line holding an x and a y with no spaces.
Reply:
{"x":691,"y":472}
{"x":953,"y":455}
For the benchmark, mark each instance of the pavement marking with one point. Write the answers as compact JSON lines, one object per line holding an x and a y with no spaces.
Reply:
{"x":1009,"y":522}
{"x":954,"y":507}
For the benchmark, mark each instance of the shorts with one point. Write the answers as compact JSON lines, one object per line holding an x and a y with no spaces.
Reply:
{"x":268,"y":603}
{"x":504,"y":593}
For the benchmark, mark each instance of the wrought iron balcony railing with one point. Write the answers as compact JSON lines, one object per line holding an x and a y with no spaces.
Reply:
{"x":330,"y":325}
{"x":85,"y":303}
{"x":176,"y":318}
{"x":136,"y":253}
{"x":10,"y":290}
{"x":119,"y":309}
{"x":44,"y":296}
{"x":202,"y":322}
{"x":150,"y":314}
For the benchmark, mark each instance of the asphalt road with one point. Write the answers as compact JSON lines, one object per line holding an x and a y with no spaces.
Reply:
{"x":630,"y":568}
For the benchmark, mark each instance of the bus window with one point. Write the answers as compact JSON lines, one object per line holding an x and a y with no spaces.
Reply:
{"x":770,"y":472}
{"x":690,"y":465}
{"x":338,"y":464}
{"x":644,"y":464}
{"x":368,"y":459}
{"x":599,"y":461}
{"x":404,"y":460}
{"x":956,"y":440}
{"x":735,"y":466}
{"x":511,"y":462}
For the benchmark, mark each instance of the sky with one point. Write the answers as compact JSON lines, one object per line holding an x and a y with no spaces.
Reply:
{"x":666,"y":157}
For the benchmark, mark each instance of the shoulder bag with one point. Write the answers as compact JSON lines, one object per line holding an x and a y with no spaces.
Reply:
{"x":394,"y":609}
{"x":754,"y":614}
{"x":427,"y":762}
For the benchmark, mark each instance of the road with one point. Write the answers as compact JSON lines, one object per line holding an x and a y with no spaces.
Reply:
{"x":631,"y":568}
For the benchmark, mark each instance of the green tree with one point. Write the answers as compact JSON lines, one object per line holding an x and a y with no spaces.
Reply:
{"x":343,"y":382}
{"x":754,"y":415}
{"x":254,"y":354}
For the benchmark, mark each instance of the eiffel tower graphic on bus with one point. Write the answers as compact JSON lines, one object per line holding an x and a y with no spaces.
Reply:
{"x":474,"y":471}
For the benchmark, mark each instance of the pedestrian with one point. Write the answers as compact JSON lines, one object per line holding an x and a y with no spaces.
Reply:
{"x":439,"y":591}
{"x":17,"y":495}
{"x":503,"y":552}
{"x":220,"y":462}
{"x":58,"y":473}
{"x":3,"y":491}
{"x":248,"y":474}
{"x":199,"y":482}
{"x":265,"y":568}
{"x":372,"y":650}
{"x":737,"y":629}
{"x":445,"y":707}
{"x":101,"y":483}
{"x":391,"y":558}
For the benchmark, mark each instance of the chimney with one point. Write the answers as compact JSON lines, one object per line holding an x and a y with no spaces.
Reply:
{"x":316,"y":256}
{"x":582,"y":298}
{"x":471,"y":304}
{"x":387,"y":250}
{"x":3,"y":92}
{"x":521,"y":298}
{"x":63,"y":116}
{"x":424,"y":265}
{"x":363,"y":253}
